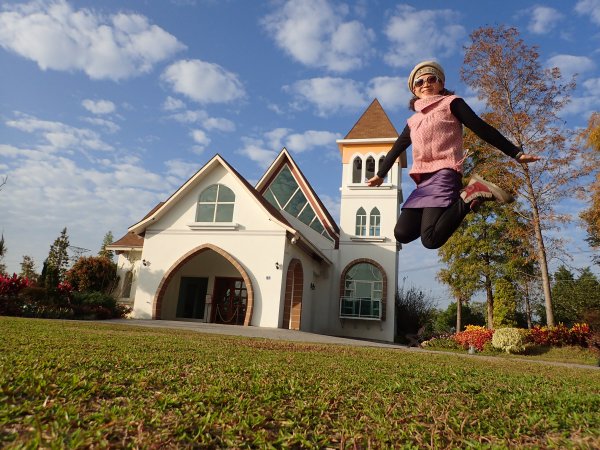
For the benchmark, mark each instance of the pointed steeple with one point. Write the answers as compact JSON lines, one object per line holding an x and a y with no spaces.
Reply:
{"x":374,"y":123}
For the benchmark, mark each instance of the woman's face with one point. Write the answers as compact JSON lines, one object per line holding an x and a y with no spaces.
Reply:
{"x":427,"y":85}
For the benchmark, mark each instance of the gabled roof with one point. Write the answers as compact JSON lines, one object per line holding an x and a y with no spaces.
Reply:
{"x":283,"y":158}
{"x":129,"y":241}
{"x":163,"y":208}
{"x":373,"y":124}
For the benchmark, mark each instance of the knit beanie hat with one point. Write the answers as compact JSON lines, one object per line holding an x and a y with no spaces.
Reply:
{"x":424,"y":67}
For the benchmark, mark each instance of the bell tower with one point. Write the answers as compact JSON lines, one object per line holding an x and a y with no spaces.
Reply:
{"x":367,"y":248}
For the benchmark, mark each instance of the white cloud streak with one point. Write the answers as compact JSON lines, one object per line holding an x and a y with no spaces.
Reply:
{"x":314,"y":33}
{"x":56,"y":36}
{"x":99,"y":106}
{"x":543,"y":19}
{"x":417,"y":35}
{"x":203,"y":82}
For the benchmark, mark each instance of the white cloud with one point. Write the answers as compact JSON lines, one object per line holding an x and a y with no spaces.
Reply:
{"x":200,"y":138}
{"x":59,"y":136}
{"x":310,"y":139}
{"x":256,"y":151}
{"x":391,"y":92}
{"x":99,"y":106}
{"x":109,"y":125}
{"x":329,"y":95}
{"x":47,"y":192}
{"x":218,"y":123}
{"x":589,"y":8}
{"x":57,"y":37}
{"x":313,"y":33}
{"x":543,"y":19}
{"x":417,"y":35}
{"x":173,"y":104}
{"x":570,"y":65}
{"x":203,"y":82}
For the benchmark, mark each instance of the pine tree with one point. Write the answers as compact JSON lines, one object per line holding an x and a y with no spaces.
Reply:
{"x":523,"y":101}
{"x":28,"y":268}
{"x":57,"y":262}
{"x":108,"y":239}
{"x":505,"y":303}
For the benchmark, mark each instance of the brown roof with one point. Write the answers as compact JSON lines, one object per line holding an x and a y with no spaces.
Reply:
{"x":374,"y":123}
{"x":129,"y":240}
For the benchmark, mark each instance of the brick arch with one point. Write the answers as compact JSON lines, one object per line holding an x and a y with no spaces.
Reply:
{"x":162,"y":287}
{"x":381,"y":269}
{"x":294,"y":290}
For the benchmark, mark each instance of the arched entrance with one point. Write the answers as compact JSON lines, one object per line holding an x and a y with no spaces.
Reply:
{"x":294,"y":285}
{"x":225,"y":288}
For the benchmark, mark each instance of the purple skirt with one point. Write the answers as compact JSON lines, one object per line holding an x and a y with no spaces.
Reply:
{"x":435,"y":190}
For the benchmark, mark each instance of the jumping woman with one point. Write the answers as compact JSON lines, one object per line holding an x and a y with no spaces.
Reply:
{"x":438,"y":205}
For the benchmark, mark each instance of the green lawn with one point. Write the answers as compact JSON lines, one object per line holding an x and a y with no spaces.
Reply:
{"x":74,"y":384}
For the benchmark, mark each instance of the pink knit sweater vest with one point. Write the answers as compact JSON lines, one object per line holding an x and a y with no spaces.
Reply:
{"x":436,"y":135}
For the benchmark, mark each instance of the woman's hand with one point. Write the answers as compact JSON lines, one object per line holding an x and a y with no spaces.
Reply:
{"x":526,"y":159}
{"x":375,"y":181}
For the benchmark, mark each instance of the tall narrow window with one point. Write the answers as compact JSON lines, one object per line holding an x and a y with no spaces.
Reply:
{"x":374,"y":222}
{"x":361,"y":222}
{"x":215,"y":204}
{"x":127,"y":282}
{"x":381,"y":159}
{"x":357,"y":170}
{"x":370,"y":168}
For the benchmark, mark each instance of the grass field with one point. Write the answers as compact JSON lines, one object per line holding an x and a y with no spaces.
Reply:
{"x":73,"y":384}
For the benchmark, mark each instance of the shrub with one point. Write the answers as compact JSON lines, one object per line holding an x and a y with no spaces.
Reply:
{"x":11,"y":302}
{"x":559,"y":335}
{"x":475,"y":336}
{"x":93,"y":273}
{"x":510,"y":340}
{"x":442,"y":343}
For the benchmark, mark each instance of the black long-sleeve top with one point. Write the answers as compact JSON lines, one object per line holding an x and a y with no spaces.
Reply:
{"x":466,"y":116}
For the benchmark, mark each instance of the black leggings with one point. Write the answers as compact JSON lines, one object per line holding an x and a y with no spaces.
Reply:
{"x":433,"y":225}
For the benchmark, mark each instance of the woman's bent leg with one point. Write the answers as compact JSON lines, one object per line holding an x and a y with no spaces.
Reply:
{"x":408,"y":227}
{"x":438,"y":224}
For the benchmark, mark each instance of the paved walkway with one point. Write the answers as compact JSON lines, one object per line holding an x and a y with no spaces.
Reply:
{"x":302,"y":336}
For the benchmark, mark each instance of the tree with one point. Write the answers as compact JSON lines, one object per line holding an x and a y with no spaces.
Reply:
{"x":108,"y":239}
{"x":574,"y":297}
{"x":414,"y":309}
{"x":444,"y":321}
{"x":28,"y":269}
{"x":2,"y":253}
{"x":591,"y":216}
{"x":523,"y":101}
{"x":93,"y":274}
{"x":57,"y":262}
{"x":505,"y":304}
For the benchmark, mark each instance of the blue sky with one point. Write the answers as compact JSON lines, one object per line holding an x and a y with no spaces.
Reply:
{"x":107,"y":107}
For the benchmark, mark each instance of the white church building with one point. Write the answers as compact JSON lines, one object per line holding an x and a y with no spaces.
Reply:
{"x":220,"y":250}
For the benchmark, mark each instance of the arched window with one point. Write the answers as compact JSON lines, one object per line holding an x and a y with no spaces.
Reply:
{"x":370,"y":168}
{"x":363,"y":292}
{"x":215,"y":204}
{"x":374,"y":222}
{"x":357,"y":170}
{"x":361,"y":222}
{"x":380,"y":163}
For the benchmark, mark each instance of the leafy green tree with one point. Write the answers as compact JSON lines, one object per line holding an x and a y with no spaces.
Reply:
{"x":505,"y":303}
{"x":28,"y":269}
{"x":573,"y":297}
{"x":445,"y":320}
{"x":108,"y":239}
{"x":57,"y":262}
{"x":591,"y":216}
{"x":414,"y":309}
{"x":496,"y":64}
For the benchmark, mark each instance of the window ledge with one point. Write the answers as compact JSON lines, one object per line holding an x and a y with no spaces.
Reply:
{"x":220,"y":226}
{"x":364,"y":187}
{"x":378,"y":319}
{"x":367,"y":239}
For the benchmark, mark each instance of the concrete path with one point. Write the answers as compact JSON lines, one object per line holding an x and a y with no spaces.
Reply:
{"x":302,"y":336}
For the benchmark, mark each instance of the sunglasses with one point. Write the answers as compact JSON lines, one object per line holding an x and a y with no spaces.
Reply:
{"x":430,"y":80}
